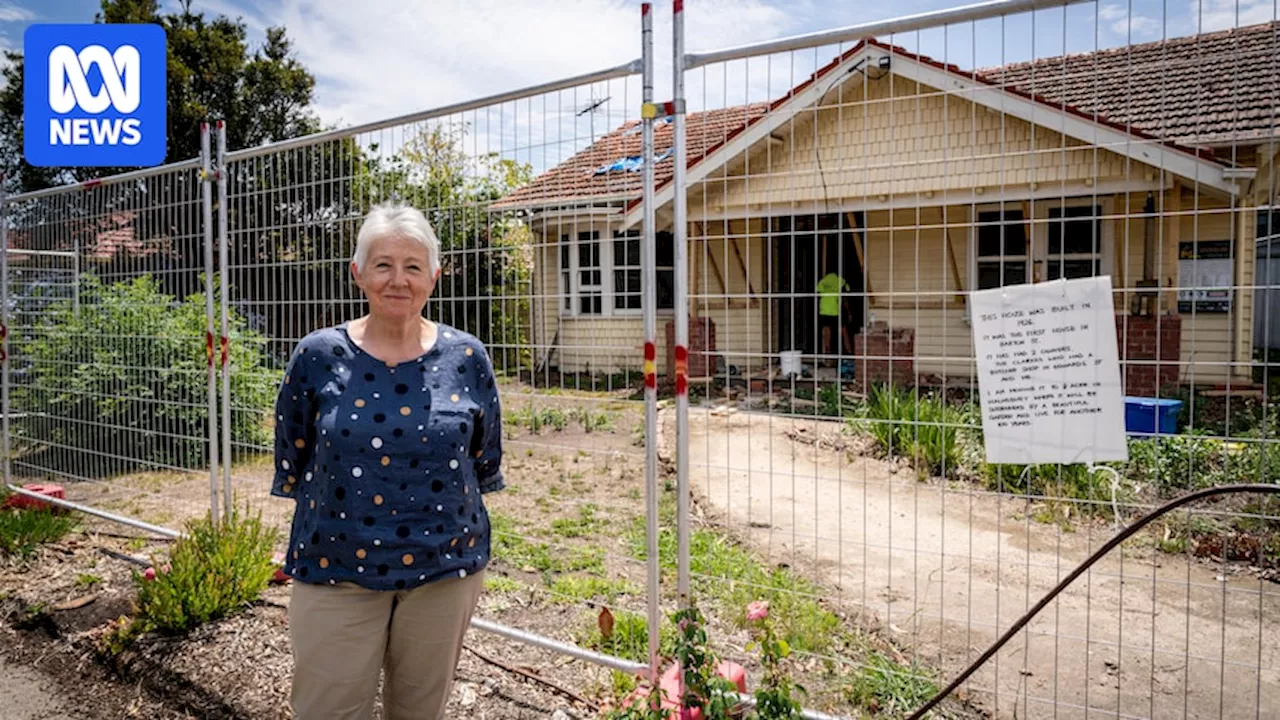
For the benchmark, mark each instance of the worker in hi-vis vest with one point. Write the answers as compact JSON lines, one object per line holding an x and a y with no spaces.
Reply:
{"x":830,"y":299}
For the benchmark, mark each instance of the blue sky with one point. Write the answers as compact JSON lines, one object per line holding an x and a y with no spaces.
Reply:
{"x":375,"y":59}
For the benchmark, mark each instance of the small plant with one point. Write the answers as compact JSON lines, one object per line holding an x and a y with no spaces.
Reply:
{"x":884,"y":686}
{"x":628,"y":637}
{"x":23,"y":530}
{"x":86,"y":580}
{"x":703,"y":688}
{"x":924,"y":428}
{"x":585,"y":524}
{"x":774,"y":699}
{"x":213,"y":571}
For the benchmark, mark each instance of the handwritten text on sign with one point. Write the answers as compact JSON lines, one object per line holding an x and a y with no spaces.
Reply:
{"x":1049,"y":373}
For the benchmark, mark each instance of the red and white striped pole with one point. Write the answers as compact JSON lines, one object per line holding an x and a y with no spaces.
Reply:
{"x":649,"y":303}
{"x":681,"y":349}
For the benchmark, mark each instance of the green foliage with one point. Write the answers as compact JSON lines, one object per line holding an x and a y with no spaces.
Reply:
{"x":704,"y":689}
{"x":1178,"y":463}
{"x":629,"y":638}
{"x":922,"y":427}
{"x":126,"y":375}
{"x":728,"y":574}
{"x":774,"y":697}
{"x":512,"y":548}
{"x":892,"y":688}
{"x":582,"y":588}
{"x":584,"y":525}
{"x":22,"y":531}
{"x":213,"y":571}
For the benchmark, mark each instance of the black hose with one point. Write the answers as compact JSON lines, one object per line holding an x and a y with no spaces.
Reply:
{"x":1095,"y":557}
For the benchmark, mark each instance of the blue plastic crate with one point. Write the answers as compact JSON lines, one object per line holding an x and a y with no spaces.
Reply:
{"x":1141,"y":414}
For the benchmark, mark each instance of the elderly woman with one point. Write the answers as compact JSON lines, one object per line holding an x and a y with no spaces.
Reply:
{"x":387,"y":435}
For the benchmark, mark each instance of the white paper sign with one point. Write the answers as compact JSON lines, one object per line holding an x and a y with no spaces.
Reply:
{"x":1049,"y":373}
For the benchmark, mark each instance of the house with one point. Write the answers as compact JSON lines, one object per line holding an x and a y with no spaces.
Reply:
{"x":917,"y":182}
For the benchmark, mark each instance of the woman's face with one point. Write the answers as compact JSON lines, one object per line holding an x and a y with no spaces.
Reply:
{"x":396,"y":277}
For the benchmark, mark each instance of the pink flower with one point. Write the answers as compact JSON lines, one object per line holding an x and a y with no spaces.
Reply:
{"x":150,"y":574}
{"x":758,"y":610}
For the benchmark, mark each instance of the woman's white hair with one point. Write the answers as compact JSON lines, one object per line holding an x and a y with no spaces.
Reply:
{"x":392,"y":219}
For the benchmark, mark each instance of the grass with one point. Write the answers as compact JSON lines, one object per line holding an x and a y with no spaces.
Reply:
{"x":501,"y":584}
{"x":585,"y":524}
{"x":541,"y":557}
{"x":24,"y":530}
{"x":630,"y":637}
{"x":887,"y":687}
{"x":731,"y":577}
{"x":580,"y":588}
{"x":907,"y":424}
{"x":86,"y":580}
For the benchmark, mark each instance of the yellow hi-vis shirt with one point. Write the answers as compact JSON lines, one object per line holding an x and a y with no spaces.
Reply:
{"x":829,"y":288}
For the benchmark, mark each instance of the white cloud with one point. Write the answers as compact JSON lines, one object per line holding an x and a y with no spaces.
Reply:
{"x":1210,"y":15}
{"x":378,"y":59}
{"x":12,"y":13}
{"x":1135,"y":26}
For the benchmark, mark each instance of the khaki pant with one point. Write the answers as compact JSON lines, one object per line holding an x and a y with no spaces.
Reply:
{"x":344,"y":634}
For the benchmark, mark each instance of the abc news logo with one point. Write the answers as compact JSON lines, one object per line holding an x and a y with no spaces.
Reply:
{"x":69,"y":89}
{"x":94,"y":95}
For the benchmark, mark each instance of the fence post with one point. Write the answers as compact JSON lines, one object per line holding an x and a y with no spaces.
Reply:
{"x":649,"y":301}
{"x":206,"y":190}
{"x":228,"y":499}
{"x":4,"y":331}
{"x":681,"y":307}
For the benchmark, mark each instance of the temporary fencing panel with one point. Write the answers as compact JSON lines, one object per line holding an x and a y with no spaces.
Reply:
{"x":784,"y":250}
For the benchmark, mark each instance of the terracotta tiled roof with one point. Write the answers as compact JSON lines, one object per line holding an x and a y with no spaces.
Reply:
{"x":1205,"y":89}
{"x":1187,"y":92}
{"x":578,"y":180}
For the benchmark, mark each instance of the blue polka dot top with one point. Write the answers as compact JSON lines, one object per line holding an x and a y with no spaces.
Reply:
{"x":387,"y":462}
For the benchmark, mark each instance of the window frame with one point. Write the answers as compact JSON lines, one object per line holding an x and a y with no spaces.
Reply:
{"x":1037,"y":257}
{"x":975,"y":260}
{"x":1106,"y":227}
{"x":608,"y":288}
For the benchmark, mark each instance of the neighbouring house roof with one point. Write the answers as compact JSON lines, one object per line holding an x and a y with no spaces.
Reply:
{"x":1200,"y":90}
{"x":1130,"y":104}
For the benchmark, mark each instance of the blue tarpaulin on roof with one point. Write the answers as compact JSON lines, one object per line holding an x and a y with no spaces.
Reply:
{"x":631,"y":163}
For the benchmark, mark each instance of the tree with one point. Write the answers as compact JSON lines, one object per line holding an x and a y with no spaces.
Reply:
{"x":264,"y":96}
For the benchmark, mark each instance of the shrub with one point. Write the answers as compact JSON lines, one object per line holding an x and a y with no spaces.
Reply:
{"x":923,"y":427}
{"x":126,"y":375}
{"x":1172,"y":465}
{"x":1072,"y":482}
{"x":213,"y":571}
{"x":22,"y":531}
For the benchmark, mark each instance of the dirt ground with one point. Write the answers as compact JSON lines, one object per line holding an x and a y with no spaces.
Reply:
{"x":240,"y":667}
{"x":947,"y":567}
{"x":937,"y":568}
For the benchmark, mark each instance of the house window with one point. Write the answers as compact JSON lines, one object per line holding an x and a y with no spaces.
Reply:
{"x":1075,"y":242}
{"x":590,"y":274}
{"x":605,"y":278}
{"x":627,"y":271}
{"x":1001,"y":254}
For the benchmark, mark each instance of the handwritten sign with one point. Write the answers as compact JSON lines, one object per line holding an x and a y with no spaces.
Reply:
{"x":1049,"y":373}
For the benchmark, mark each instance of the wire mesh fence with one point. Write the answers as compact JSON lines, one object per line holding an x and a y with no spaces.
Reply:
{"x":107,"y":371}
{"x":844,"y":202}
{"x":810,"y":276}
